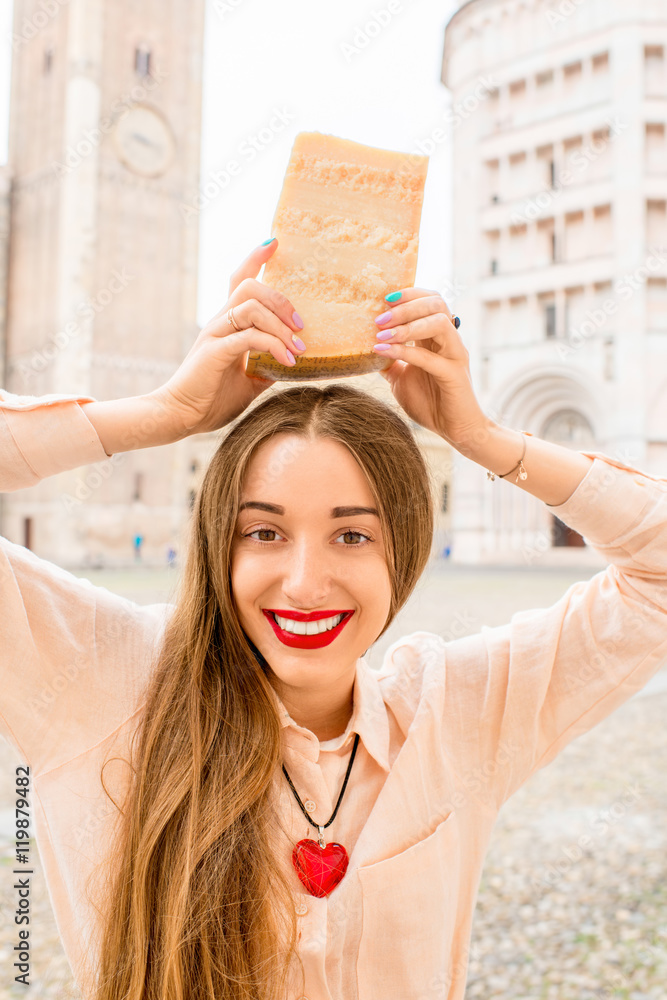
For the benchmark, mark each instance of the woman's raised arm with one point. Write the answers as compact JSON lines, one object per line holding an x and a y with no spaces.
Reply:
{"x":551,"y":674}
{"x":41,"y":436}
{"x":515,"y":695}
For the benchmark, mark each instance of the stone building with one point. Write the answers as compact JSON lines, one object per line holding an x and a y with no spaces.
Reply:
{"x":559,"y":116}
{"x":104,"y":149}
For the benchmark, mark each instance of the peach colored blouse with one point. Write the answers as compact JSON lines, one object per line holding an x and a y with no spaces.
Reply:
{"x":448,"y":730}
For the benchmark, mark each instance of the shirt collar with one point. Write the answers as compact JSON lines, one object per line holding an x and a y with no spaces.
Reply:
{"x":369,"y":720}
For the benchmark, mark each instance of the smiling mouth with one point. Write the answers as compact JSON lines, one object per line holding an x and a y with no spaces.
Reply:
{"x":307,"y":631}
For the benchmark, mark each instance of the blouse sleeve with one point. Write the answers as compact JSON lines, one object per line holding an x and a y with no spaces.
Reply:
{"x":74,"y":658}
{"x":515,"y":695}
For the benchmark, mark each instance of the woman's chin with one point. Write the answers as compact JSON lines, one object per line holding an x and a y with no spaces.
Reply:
{"x":305,"y":667}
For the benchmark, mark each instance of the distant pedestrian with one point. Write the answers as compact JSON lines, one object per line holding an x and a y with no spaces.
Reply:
{"x":138,"y":542}
{"x":171,"y":556}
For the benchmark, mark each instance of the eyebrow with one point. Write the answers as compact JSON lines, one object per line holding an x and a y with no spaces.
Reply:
{"x":274,"y":508}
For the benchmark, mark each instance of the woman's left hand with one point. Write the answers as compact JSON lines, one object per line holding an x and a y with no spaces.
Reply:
{"x":431,"y":380}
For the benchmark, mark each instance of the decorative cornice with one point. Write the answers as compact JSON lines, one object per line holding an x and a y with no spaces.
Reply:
{"x":492,"y":10}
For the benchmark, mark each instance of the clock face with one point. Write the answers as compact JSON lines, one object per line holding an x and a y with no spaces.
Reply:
{"x":144,"y":141}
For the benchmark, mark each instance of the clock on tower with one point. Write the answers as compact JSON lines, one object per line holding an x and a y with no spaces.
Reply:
{"x":144,"y":141}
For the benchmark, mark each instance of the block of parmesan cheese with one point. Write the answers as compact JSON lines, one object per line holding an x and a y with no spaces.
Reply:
{"x":347,"y":222}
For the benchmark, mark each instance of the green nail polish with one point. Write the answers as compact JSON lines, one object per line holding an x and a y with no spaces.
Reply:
{"x":394,"y":297}
{"x":266,"y":242}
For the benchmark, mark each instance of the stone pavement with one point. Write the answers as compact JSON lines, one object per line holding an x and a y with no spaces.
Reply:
{"x":573,"y":900}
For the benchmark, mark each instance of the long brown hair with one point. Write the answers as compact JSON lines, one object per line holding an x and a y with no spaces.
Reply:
{"x":200,"y":908}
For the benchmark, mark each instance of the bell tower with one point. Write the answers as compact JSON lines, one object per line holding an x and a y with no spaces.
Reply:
{"x":104,"y":151}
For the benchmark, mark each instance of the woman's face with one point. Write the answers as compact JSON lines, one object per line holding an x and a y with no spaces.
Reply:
{"x":308,"y":556}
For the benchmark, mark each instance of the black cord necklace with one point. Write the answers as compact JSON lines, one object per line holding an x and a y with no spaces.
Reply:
{"x":321,"y":866}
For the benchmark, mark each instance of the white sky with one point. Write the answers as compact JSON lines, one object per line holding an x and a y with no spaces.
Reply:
{"x":262,"y":55}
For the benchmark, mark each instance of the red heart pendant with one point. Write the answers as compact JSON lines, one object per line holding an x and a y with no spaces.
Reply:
{"x":319,"y":868}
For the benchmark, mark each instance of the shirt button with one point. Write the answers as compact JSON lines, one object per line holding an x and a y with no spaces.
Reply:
{"x":301,"y":909}
{"x":310,"y":805}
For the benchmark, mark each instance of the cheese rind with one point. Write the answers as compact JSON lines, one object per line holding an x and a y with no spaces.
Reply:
{"x":347,"y":222}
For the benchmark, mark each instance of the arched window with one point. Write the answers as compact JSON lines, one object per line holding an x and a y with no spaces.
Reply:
{"x":569,"y":428}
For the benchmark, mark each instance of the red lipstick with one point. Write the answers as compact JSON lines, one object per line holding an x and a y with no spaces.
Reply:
{"x":306,"y":641}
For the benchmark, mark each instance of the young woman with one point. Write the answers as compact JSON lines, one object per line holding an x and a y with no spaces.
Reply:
{"x":228,"y":802}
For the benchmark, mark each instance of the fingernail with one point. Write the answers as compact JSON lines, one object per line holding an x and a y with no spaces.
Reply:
{"x":393,"y":297}
{"x":296,"y":319}
{"x":266,"y":242}
{"x":456,"y":321}
{"x":290,"y":356}
{"x":382,"y":347}
{"x":385,"y":335}
{"x":384,"y":318}
{"x":298,"y":343}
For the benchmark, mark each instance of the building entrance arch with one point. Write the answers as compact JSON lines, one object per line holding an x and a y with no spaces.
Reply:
{"x":556,"y":406}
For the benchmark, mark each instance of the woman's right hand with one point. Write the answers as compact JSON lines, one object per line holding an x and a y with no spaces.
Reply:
{"x":210,"y":387}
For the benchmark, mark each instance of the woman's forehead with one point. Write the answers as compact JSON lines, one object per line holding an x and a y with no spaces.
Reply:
{"x":290,"y":463}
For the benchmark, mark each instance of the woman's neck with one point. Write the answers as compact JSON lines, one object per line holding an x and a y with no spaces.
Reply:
{"x":326,"y":713}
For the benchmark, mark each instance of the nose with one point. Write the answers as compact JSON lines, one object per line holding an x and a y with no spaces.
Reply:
{"x":307,"y":576}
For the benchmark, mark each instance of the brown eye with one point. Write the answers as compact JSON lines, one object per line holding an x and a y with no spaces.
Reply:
{"x":353,"y":537}
{"x":263,"y":533}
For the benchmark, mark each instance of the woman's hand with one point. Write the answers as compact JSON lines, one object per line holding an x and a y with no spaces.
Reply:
{"x":431,"y":380}
{"x":211,"y":388}
{"x":432,"y":383}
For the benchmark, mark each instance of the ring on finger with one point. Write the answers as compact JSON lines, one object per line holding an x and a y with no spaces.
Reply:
{"x":232,"y":321}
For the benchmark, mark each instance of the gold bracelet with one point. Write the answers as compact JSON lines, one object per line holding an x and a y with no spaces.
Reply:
{"x":522,"y":474}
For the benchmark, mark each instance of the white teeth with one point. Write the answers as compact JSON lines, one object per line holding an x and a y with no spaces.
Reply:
{"x":309,"y":628}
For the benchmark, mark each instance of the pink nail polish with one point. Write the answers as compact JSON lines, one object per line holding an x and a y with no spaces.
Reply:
{"x":298,"y":343}
{"x":290,"y":356}
{"x":384,"y":318}
{"x":296,"y":319}
{"x":382,"y":347}
{"x":385,"y":334}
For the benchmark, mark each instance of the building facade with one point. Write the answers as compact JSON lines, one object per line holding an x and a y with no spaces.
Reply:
{"x":104,"y":151}
{"x":559,"y":118}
